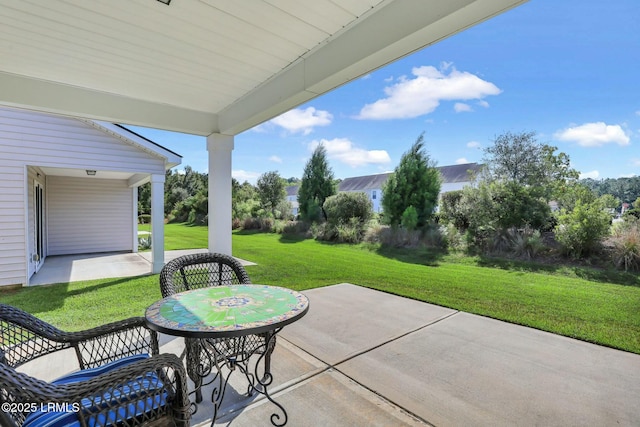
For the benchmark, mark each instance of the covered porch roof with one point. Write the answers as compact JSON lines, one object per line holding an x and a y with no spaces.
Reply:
{"x":208,"y":66}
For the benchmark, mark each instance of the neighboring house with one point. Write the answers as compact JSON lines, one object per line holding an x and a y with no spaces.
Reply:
{"x":292,"y":197}
{"x":70,"y":186}
{"x":371,"y":185}
{"x":454,"y":177}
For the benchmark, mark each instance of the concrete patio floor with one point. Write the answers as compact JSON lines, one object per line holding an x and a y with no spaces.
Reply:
{"x":362,"y":357}
{"x":73,"y":268}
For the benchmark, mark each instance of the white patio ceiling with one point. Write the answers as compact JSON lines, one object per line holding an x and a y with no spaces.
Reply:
{"x":207,"y":66}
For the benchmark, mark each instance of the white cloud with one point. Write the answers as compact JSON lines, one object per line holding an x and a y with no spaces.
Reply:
{"x":483,"y":103}
{"x":413,"y":97}
{"x":461,"y":161}
{"x":275,"y":159}
{"x":242,"y":176}
{"x":461,"y":107}
{"x":299,"y":120}
{"x":594,"y":135}
{"x":473,"y":144}
{"x":592,"y":175}
{"x":638,"y":113}
{"x":343,"y":150}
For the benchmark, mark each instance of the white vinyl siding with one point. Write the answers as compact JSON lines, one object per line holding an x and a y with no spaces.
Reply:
{"x":12,"y":219}
{"x":103,"y":210}
{"x":88,"y":215}
{"x":54,"y":141}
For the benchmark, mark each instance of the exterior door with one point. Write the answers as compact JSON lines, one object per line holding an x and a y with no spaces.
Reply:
{"x":39,"y":225}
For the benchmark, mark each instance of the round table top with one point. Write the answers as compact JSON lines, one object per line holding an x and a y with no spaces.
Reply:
{"x":225,"y":311}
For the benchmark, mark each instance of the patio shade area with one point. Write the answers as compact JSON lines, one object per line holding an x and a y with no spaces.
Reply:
{"x":366,"y":358}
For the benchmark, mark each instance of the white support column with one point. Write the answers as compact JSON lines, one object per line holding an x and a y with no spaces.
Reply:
{"x":134,"y":196}
{"x":157,"y":223}
{"x":220,"y":148}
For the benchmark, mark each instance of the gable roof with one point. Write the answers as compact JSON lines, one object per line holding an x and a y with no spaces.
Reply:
{"x":132,"y":138}
{"x":449,"y":174}
{"x":459,"y":173}
{"x":292,"y":190}
{"x":363,"y":183}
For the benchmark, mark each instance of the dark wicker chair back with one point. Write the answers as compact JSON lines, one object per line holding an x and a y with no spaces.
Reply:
{"x":201,"y":271}
{"x":24,"y":337}
{"x":139,"y":387}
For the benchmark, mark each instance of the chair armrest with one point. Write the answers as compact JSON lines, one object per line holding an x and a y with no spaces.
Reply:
{"x":112,"y":341}
{"x":137,"y":384}
{"x":25,"y":337}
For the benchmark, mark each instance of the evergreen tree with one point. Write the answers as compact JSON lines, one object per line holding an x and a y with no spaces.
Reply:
{"x":415,"y":183}
{"x":271,"y":191}
{"x":316,"y":185}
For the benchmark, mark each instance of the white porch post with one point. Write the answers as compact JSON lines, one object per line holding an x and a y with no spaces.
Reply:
{"x":157,"y":222}
{"x":220,"y":148}
{"x":134,"y":192}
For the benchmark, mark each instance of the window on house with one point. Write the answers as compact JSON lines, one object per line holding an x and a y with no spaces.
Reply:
{"x":373,"y":194}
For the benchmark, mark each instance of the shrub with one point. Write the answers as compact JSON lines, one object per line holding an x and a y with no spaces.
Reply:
{"x":631,"y":214}
{"x":409,"y":218}
{"x":311,"y":212}
{"x":144,"y":219}
{"x":262,"y":224}
{"x":296,"y":228}
{"x":453,"y":238}
{"x":342,"y":207}
{"x":433,"y":237}
{"x":350,"y":232}
{"x":394,"y":237}
{"x":625,"y":242}
{"x":450,"y":212}
{"x":581,"y":231}
{"x":528,"y":243}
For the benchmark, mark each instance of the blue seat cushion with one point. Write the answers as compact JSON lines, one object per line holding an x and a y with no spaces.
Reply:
{"x":85,"y":374}
{"x":134,"y":390}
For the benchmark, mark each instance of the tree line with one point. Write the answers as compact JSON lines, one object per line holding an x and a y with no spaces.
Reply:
{"x":525,"y":189}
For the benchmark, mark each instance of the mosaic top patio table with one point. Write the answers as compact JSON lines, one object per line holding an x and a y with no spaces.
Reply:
{"x":230,"y":311}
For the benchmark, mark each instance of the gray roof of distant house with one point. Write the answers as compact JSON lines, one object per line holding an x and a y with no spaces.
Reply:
{"x":363,"y":183}
{"x":450,"y":174}
{"x":459,"y":173}
{"x":292,"y":190}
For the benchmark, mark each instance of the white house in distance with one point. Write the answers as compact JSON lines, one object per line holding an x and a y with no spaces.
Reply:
{"x":292,"y":197}
{"x":70,"y":186}
{"x":454,"y":177}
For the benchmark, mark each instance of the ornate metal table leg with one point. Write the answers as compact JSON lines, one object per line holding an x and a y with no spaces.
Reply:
{"x":260,"y":382}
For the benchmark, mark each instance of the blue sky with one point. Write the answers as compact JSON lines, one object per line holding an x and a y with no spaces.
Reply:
{"x":568,"y":70}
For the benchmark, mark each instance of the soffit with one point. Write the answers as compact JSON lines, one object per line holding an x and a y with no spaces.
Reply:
{"x":204,"y":66}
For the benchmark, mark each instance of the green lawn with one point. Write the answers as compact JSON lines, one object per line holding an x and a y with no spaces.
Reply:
{"x":592,"y":305}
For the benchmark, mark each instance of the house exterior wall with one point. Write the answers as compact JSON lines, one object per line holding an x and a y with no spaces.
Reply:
{"x":29,"y":140}
{"x":12,"y":222}
{"x":453,"y":186}
{"x":88,"y":215}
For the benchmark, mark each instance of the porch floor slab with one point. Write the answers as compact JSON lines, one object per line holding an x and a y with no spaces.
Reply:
{"x":73,"y":268}
{"x":364,"y":358}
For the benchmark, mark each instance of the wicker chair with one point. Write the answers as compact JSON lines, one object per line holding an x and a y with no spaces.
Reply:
{"x":204,"y":270}
{"x":123,"y":380}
